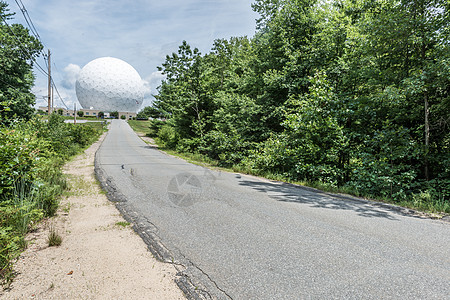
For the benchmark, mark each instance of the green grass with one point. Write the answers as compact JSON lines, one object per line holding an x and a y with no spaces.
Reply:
{"x":54,"y":239}
{"x":89,"y":118}
{"x":122,"y":224}
{"x":67,"y":207}
{"x":78,"y":186}
{"x":140,"y":126}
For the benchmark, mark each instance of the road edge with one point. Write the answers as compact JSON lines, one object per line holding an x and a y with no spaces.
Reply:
{"x":192,"y":286}
{"x":404,"y":211}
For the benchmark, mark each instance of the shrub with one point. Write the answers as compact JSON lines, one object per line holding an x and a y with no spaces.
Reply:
{"x":54,"y":239}
{"x":31,"y":180}
{"x":168,"y":136}
{"x":155,"y":127}
{"x":17,"y":158}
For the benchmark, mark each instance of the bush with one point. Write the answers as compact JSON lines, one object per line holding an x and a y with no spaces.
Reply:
{"x":168,"y":136}
{"x":229,"y":148}
{"x":31,"y":180}
{"x":155,"y":127}
{"x":18,"y":157}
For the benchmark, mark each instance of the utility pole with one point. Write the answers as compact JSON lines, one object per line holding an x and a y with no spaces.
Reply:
{"x":74,"y":113}
{"x":53,"y":106}
{"x":49,"y":84}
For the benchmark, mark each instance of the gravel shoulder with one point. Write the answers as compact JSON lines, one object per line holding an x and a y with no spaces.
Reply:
{"x":100,"y":257}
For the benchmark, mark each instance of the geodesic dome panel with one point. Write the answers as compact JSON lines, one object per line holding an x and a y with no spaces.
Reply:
{"x":109,"y":84}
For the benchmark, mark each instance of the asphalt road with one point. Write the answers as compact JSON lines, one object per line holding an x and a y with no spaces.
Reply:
{"x":247,"y":238}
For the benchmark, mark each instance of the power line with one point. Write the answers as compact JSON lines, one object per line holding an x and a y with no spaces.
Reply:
{"x":58,"y":72}
{"x":25,"y":14}
{"x":33,"y":30}
{"x":56,"y":89}
{"x":26,"y":52}
{"x":36,"y":34}
{"x":15,"y":36}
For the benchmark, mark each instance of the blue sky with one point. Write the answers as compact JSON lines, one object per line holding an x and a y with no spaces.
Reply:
{"x":140,"y":32}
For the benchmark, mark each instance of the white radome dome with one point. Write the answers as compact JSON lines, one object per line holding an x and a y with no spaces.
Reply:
{"x":110,"y":84}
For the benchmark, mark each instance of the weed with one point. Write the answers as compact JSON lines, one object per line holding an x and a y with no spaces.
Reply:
{"x":67,"y":207}
{"x":54,"y":239}
{"x":78,"y":186}
{"x":122,"y":224}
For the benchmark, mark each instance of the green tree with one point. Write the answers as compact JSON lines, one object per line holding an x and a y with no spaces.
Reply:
{"x":18,"y":52}
{"x":349,"y":93}
{"x":407,"y":42}
{"x":182,"y":99}
{"x":149,"y":112}
{"x":80,"y":113}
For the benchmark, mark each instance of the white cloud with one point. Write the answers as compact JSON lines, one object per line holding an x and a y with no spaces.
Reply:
{"x":151,"y":83}
{"x":155,"y":79}
{"x":71,"y":73}
{"x":147,"y":88}
{"x":67,"y":95}
{"x":140,"y":32}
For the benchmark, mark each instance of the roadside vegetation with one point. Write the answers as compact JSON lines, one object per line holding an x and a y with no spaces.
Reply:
{"x":31,"y":181}
{"x":141,"y":126}
{"x":32,"y":150}
{"x":341,"y":95}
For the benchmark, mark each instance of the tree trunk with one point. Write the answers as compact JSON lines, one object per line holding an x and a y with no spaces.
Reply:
{"x":427,"y":134}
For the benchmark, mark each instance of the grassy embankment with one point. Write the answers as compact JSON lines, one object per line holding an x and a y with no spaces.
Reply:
{"x":416,"y":202}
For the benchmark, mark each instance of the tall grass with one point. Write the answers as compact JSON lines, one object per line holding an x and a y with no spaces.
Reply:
{"x":18,"y":214}
{"x":31,"y":180}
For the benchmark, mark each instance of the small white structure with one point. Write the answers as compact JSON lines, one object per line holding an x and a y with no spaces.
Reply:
{"x":110,"y":84}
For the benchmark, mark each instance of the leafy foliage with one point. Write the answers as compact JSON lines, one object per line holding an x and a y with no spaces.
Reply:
{"x":31,"y":181}
{"x":31,"y":150}
{"x":18,"y":50}
{"x":347,"y":94}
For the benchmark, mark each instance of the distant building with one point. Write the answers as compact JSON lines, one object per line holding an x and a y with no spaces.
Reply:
{"x":87,"y":112}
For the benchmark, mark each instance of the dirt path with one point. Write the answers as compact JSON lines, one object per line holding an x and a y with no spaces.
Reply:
{"x":100,"y":256}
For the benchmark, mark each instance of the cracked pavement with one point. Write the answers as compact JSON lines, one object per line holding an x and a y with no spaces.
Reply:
{"x":241,"y":237}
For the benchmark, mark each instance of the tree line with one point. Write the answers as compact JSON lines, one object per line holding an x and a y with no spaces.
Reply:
{"x":352,"y":94}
